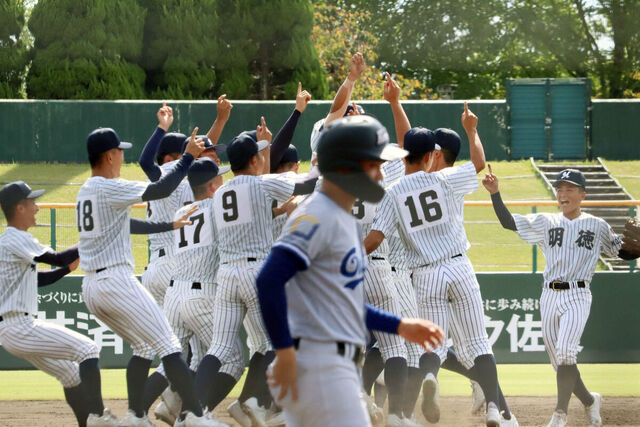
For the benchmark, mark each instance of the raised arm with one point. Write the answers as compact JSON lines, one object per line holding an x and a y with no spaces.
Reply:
{"x":470,"y":125}
{"x":51,"y":276}
{"x":284,"y":136}
{"x":343,"y":96}
{"x":490,"y":182}
{"x":146,"y":161}
{"x":263,"y":133}
{"x":400,"y":119}
{"x":140,"y":226}
{"x":224,"y":111}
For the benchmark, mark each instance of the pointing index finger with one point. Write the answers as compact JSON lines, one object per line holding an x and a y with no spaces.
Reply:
{"x":490,"y":171}
{"x":194,"y":133}
{"x":299,"y":87}
{"x":466,"y":108}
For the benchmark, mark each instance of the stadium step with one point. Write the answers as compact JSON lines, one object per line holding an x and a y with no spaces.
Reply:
{"x":601,"y":185}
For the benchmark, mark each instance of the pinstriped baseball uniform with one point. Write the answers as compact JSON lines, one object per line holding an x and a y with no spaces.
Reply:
{"x":427,"y":211}
{"x":158,"y":273}
{"x":244,"y":224}
{"x":49,"y":347}
{"x":114,"y":295}
{"x":571,"y":249}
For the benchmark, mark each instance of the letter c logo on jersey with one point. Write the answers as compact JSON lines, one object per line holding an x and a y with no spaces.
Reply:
{"x":351,"y":266}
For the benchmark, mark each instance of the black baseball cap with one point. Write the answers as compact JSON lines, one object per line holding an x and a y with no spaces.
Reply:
{"x":17,"y":191}
{"x":350,"y":109}
{"x":419,"y":140}
{"x":171,"y":142}
{"x":242,"y":148}
{"x":290,"y":155}
{"x":104,"y":139}
{"x":208,"y":145}
{"x":448,"y":139}
{"x":204,"y":170}
{"x":572,"y":176}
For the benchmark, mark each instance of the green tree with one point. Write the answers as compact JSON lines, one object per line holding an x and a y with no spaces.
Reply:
{"x":180,"y":48}
{"x":13,"y":54}
{"x":86,"y":49}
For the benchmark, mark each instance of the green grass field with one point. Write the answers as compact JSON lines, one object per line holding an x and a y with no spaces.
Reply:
{"x":492,"y":247}
{"x":516,"y":380}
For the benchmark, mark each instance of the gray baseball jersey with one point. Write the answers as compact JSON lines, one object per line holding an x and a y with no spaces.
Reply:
{"x":428,"y":211}
{"x":326,"y":301}
{"x":19,"y":278}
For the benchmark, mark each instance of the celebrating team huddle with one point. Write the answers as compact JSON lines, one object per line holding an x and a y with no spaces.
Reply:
{"x":355,"y":270}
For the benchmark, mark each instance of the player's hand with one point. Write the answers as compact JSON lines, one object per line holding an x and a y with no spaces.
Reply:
{"x":354,"y":110}
{"x":469,"y":120}
{"x":391,"y":90}
{"x":356,"y":66}
{"x":224,"y":108}
{"x":490,"y":182}
{"x":74,"y":265}
{"x":165,"y":116}
{"x":421,"y":331}
{"x":194,"y":146}
{"x":302,"y":98}
{"x":290,"y":205}
{"x":285,"y":373}
{"x":263,"y":132}
{"x":184,"y":219}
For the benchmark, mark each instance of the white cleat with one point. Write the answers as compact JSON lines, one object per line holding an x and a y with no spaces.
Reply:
{"x":275,"y":418}
{"x":130,"y":420}
{"x":238,"y":414}
{"x":410,"y":422}
{"x":173,"y":402}
{"x":512,"y":422}
{"x":257,"y":413}
{"x":375,"y":413}
{"x":207,"y":420}
{"x":558,"y":419}
{"x":493,"y":415}
{"x":431,"y":398}
{"x":105,"y":420}
{"x":380,"y":379}
{"x":162,"y":413}
{"x":477,"y":398}
{"x":394,"y":421}
{"x":593,"y":411}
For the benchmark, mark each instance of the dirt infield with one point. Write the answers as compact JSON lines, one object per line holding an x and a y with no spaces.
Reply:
{"x":455,"y":412}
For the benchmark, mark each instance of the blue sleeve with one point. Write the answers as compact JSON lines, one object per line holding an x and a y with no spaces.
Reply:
{"x":380,"y":320}
{"x":140,"y":226}
{"x":281,"y":265}
{"x":163,"y":187}
{"x":146,"y":161}
{"x":51,"y":276}
{"x":60,"y":258}
{"x":282,"y":139}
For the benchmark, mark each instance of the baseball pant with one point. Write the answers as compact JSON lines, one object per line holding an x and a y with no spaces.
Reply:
{"x":564,"y":316}
{"x":450,"y":288}
{"x":237,"y":300}
{"x":51,"y":348}
{"x":117,"y":298}
{"x":380,"y":292}
{"x":408,"y":309}
{"x":157,"y":276}
{"x":328,"y":388}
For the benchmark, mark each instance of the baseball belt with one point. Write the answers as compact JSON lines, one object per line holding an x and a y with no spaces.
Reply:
{"x":563,"y":286}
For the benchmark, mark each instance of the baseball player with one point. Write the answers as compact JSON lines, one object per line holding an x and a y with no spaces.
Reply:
{"x":571,"y":242}
{"x":426,"y":210}
{"x":319,"y":328}
{"x":111,"y":291}
{"x":67,"y":355}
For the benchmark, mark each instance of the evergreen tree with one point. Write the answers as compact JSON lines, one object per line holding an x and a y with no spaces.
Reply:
{"x":13,"y":54}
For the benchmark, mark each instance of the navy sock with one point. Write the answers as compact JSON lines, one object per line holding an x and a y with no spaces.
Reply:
{"x":137,"y":371}
{"x":430,"y":363}
{"x":373,"y":365}
{"x":252,"y":382}
{"x":153,"y":388}
{"x":395,"y":378}
{"x":91,"y":383}
{"x":566,"y":377}
{"x":75,"y":398}
{"x":205,"y":384}
{"x":224,"y":383}
{"x":264,"y":395}
{"x":415,"y":376}
{"x":581,"y":392}
{"x":485,"y":370}
{"x":453,"y":364}
{"x":179,"y":375}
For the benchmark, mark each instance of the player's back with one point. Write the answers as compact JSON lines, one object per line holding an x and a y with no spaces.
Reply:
{"x":196,"y":256}
{"x":244,"y":216}
{"x":326,"y":300}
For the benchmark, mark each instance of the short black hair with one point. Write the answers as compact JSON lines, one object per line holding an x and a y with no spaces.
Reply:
{"x":200,"y":190}
{"x":449,"y":156}
{"x":414,"y":158}
{"x":160,"y":157}
{"x":9,"y":210}
{"x":286,"y":165}
{"x":94,"y":159}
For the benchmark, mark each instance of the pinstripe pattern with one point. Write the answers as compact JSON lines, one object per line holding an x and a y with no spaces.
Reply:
{"x":156,"y":278}
{"x":452,"y":285}
{"x":117,"y":298}
{"x":380,"y":292}
{"x":237,"y":300}
{"x":315,"y":136}
{"x":245,"y":226}
{"x":18,"y":273}
{"x":436,"y":232}
{"x":105,"y":240}
{"x":408,"y":309}
{"x":397,"y":253}
{"x":49,"y":347}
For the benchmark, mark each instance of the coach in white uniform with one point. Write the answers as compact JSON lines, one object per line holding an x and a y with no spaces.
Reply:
{"x":320,"y":328}
{"x":571,"y":242}
{"x":111,"y":291}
